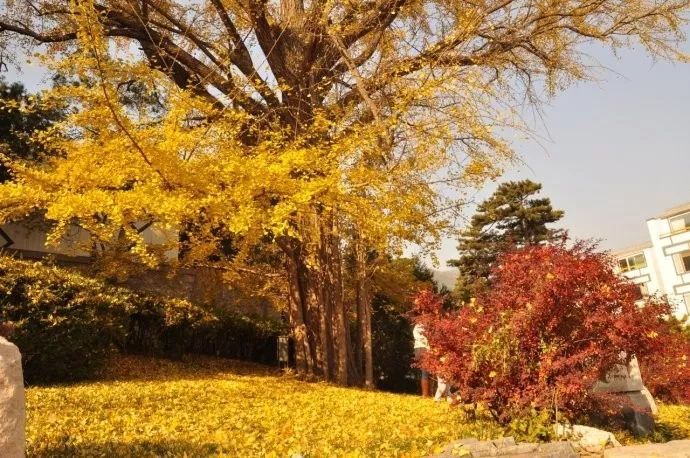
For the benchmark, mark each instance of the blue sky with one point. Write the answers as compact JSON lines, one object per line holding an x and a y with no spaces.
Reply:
{"x":615,"y":153}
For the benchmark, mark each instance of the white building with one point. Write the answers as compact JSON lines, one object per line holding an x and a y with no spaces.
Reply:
{"x":662,"y":265}
{"x":28,"y":240}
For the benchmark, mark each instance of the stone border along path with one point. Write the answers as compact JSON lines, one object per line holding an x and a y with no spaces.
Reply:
{"x":673,"y":449}
{"x":508,"y":448}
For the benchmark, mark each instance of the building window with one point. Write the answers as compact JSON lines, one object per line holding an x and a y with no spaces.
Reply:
{"x":632,"y":262}
{"x":642,"y":291}
{"x":682,"y":262}
{"x":680,"y":223}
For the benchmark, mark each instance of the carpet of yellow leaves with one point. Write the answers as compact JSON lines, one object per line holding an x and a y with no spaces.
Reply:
{"x":211,"y":407}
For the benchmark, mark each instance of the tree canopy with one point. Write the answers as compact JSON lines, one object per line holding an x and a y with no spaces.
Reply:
{"x":327,"y":128}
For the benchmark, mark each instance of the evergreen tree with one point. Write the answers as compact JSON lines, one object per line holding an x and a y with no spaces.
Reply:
{"x":512,"y":217}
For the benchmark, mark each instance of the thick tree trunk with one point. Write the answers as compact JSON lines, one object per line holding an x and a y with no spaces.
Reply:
{"x":309,"y":286}
{"x":341,"y":330}
{"x":334,"y":314}
{"x":358,"y":347}
{"x":368,"y":350}
{"x":301,"y":304}
{"x":297,"y":315}
{"x":318,"y":311}
{"x":318,"y":314}
{"x":325,"y":359}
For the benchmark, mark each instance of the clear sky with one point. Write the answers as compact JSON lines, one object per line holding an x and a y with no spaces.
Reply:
{"x":616,"y":151}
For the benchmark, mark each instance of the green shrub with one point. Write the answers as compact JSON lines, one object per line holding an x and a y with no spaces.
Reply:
{"x":163,"y":327}
{"x":67,"y":325}
{"x":532,"y":425}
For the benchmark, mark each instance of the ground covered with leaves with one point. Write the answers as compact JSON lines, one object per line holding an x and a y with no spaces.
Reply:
{"x":148,"y":407}
{"x":207,"y":407}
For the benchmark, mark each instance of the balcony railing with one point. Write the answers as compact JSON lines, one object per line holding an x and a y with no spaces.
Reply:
{"x":631,"y":268}
{"x":675,"y":232}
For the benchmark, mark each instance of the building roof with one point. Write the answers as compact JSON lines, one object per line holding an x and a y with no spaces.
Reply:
{"x":680,"y":209}
{"x":634,"y":249}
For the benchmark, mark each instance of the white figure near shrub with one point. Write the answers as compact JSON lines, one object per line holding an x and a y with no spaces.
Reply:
{"x":12,"y":410}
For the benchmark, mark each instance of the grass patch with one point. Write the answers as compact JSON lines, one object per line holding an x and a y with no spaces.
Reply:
{"x":674,"y":422}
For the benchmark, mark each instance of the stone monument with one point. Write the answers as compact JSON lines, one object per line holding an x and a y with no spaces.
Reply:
{"x":634,"y":402}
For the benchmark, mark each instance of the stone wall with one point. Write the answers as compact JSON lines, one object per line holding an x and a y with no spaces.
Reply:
{"x":202,"y":286}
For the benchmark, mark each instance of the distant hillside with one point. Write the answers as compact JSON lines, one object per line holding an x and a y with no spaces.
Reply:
{"x":446,"y":277}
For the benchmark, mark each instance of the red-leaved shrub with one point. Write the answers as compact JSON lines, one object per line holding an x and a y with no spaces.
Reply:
{"x":667,"y":373}
{"x":554,"y":321}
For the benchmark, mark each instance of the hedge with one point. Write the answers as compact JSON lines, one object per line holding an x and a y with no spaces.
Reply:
{"x":68,"y":325}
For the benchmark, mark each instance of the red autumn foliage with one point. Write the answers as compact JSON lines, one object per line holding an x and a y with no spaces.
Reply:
{"x":555,"y":319}
{"x":667,"y":373}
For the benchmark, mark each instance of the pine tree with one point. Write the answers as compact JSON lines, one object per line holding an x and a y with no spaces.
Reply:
{"x":512,"y":217}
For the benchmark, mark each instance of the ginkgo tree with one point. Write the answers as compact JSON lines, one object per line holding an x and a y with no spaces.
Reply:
{"x":334,"y":131}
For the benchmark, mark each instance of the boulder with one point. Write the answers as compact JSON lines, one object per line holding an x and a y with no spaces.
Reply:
{"x":636,"y":411}
{"x":472,"y":447}
{"x":557,"y":450}
{"x":586,"y":438}
{"x":640,"y":423}
{"x":12,"y":411}
{"x":650,"y":400}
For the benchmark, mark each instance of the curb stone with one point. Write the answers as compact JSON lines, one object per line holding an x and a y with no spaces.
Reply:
{"x":508,"y":448}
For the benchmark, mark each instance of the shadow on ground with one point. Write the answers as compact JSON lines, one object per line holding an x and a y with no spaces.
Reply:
{"x":167,"y":448}
{"x":190,"y":367}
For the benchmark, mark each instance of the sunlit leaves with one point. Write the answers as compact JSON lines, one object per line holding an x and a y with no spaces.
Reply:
{"x":556,"y":318}
{"x":210,"y":407}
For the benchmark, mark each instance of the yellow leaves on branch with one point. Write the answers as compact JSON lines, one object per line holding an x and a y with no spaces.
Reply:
{"x":131,"y":162}
{"x":386,"y":144}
